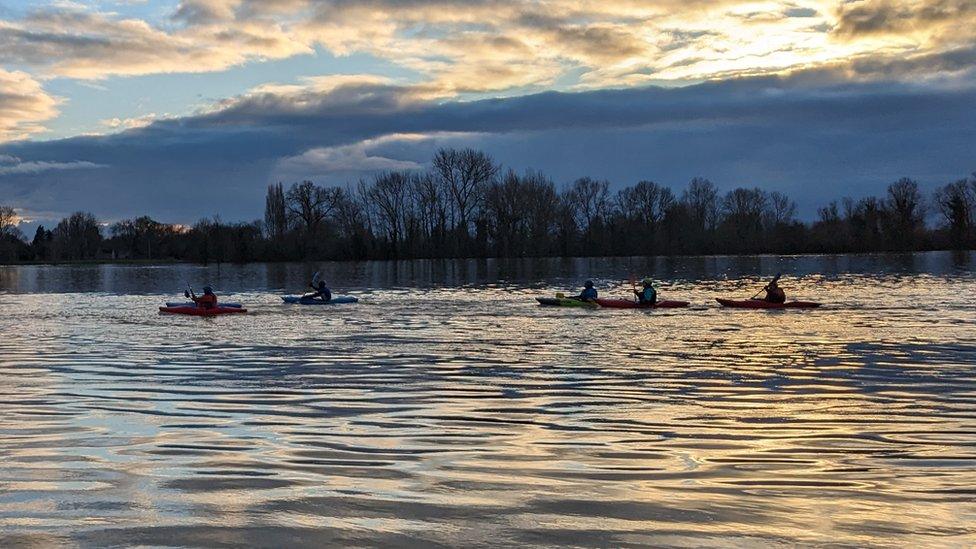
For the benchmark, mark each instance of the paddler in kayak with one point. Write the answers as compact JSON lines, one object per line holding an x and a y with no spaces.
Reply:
{"x":321,"y":292}
{"x":774,"y":294}
{"x":647,"y":295}
{"x":207,"y":301}
{"x":589,"y":293}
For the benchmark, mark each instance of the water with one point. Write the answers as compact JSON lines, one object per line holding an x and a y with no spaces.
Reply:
{"x":448,"y":409}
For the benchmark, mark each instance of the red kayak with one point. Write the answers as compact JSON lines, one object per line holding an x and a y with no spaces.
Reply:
{"x":630,"y":304}
{"x":201,"y":311}
{"x":760,"y":304}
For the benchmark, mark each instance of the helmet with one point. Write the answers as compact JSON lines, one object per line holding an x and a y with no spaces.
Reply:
{"x":647,"y":282}
{"x":207,"y":290}
{"x":588,"y":284}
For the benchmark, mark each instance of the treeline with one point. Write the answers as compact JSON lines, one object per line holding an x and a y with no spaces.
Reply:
{"x":467,"y":206}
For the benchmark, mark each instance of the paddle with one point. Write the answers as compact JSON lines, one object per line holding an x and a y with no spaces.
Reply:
{"x":766,"y":287}
{"x":633,"y":284}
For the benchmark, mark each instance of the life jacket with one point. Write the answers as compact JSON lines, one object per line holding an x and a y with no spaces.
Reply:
{"x":206,"y":301}
{"x":588,"y":294}
{"x":647,"y":295}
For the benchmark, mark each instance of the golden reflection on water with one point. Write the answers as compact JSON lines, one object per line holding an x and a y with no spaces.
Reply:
{"x":471,"y":416}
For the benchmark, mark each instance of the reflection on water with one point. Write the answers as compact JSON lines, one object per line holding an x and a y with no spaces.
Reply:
{"x":448,"y":409}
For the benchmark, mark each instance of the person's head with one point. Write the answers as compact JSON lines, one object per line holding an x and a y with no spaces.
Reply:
{"x":588,"y":284}
{"x":207,"y":290}
{"x":321,"y":285}
{"x":773,"y":285}
{"x":647,"y":282}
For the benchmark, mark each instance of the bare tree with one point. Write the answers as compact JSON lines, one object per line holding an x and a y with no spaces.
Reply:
{"x":310,"y":204}
{"x":645,"y":203}
{"x":905,"y":213}
{"x":387,"y":194}
{"x":957,"y":204}
{"x":77,"y":236}
{"x":743,"y":213}
{"x":431,"y":207}
{"x":275,"y":212}
{"x":8,"y":222}
{"x":464,"y":173}
{"x":590,"y":202}
{"x":701,"y":198}
{"x":781,"y":210}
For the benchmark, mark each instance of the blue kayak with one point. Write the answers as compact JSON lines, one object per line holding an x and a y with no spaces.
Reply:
{"x":192,"y":304}
{"x":302,"y":300}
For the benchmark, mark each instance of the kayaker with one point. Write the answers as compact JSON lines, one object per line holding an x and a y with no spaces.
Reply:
{"x":589,"y":292}
{"x":207,"y":301}
{"x":775,"y":294}
{"x":647,"y":296}
{"x":321,"y":291}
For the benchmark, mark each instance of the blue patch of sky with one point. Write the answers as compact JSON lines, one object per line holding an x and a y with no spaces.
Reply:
{"x":801,"y":12}
{"x":91,"y":102}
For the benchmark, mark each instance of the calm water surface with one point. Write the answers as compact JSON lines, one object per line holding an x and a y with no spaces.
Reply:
{"x":447,"y":408}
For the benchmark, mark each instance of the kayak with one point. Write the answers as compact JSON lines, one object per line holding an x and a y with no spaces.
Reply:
{"x":760,"y":304}
{"x":564,"y":302}
{"x":630,"y":304}
{"x":200,"y":311}
{"x":302,"y":300}
{"x":192,"y":304}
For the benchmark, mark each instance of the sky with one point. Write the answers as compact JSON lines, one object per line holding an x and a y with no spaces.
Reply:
{"x":183,"y":109}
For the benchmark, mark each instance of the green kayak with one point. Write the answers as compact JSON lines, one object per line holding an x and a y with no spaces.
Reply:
{"x":564,"y":302}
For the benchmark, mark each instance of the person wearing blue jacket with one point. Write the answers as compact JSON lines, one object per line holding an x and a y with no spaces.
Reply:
{"x":647,"y":295}
{"x":589,"y":292}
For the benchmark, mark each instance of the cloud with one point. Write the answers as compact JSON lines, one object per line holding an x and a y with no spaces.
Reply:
{"x":86,"y":45}
{"x":350,"y":161}
{"x":813,"y":140}
{"x":942,"y":19}
{"x":488,"y":46}
{"x":24,"y":106}
{"x":131,"y":123}
{"x":11,"y":165}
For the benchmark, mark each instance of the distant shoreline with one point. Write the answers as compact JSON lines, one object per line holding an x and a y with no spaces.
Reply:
{"x":162,"y":262}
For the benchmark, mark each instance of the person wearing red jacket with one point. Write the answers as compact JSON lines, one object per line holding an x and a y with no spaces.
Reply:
{"x":207,"y":301}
